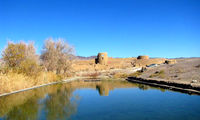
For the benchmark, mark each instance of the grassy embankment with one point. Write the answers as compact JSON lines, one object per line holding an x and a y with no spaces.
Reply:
{"x":21,"y":67}
{"x":12,"y":81}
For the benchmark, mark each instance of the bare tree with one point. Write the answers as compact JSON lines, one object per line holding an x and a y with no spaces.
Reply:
{"x":31,"y":52}
{"x":56,"y":55}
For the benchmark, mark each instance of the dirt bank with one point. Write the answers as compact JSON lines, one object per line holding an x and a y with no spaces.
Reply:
{"x":182,"y":76}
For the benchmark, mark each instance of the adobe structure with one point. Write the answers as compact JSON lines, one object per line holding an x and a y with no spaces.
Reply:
{"x":143,"y":57}
{"x":102,"y":58}
{"x":170,"y":61}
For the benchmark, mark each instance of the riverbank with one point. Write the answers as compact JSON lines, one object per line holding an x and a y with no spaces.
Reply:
{"x":13,"y":83}
{"x":114,"y":74}
{"x":168,"y":84}
{"x":38,"y":86}
{"x":183,"y":75}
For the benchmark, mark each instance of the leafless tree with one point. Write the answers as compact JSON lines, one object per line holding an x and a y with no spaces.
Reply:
{"x":56,"y":55}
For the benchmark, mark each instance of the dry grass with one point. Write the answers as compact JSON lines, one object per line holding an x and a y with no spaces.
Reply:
{"x":144,"y":62}
{"x":125,"y":75}
{"x":92,"y":75}
{"x":135,"y":74}
{"x":158,"y":74}
{"x":120,"y":75}
{"x":13,"y":81}
{"x":113,"y":63}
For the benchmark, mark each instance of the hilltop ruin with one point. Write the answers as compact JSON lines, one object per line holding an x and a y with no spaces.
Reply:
{"x":102,"y":58}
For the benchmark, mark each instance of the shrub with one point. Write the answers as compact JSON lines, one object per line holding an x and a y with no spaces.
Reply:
{"x":21,"y":58}
{"x":29,"y":67}
{"x":135,"y":74}
{"x":120,"y":75}
{"x":14,"y":54}
{"x":159,"y":74}
{"x":92,"y":75}
{"x":198,"y":66}
{"x":13,"y":81}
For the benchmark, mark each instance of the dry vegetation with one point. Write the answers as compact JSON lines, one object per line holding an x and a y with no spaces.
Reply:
{"x":14,"y":81}
{"x":144,"y":62}
{"x":114,"y":63}
{"x":21,"y":68}
{"x":158,"y":74}
{"x":115,"y":68}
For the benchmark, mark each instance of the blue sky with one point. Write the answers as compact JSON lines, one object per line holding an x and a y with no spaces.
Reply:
{"x":123,"y":28}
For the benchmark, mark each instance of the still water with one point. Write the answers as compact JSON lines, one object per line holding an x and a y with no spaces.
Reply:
{"x":101,"y":100}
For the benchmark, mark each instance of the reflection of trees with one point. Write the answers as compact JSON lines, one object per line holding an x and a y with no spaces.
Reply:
{"x":143,"y":87}
{"x":26,"y":106}
{"x":26,"y":111}
{"x":59,"y":106}
{"x":146,"y":87}
{"x":56,"y":101}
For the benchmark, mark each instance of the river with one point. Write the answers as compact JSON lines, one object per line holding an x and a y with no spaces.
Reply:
{"x":100,"y":100}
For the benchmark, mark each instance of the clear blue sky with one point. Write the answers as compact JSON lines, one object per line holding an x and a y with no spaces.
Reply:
{"x":123,"y":28}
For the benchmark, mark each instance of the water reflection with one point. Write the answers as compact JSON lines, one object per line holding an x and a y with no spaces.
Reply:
{"x":58,"y":105}
{"x":55,"y":101}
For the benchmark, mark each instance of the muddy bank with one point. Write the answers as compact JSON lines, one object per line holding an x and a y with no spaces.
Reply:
{"x":181,"y":86}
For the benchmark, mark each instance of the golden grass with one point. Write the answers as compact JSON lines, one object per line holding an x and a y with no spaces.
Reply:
{"x":13,"y":81}
{"x":120,"y":75}
{"x":135,"y":74}
{"x":113,"y":63}
{"x":159,"y":74}
{"x":125,"y":75}
{"x":144,"y":62}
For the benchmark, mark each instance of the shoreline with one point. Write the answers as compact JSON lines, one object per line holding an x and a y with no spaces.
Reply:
{"x":38,"y":86}
{"x":167,"y":84}
{"x":180,"y":86}
{"x":52,"y":83}
{"x":73,"y":79}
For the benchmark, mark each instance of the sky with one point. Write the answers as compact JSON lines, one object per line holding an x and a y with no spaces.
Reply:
{"x":123,"y":28}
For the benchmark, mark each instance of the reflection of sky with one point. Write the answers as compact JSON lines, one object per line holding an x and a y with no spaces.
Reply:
{"x":127,"y":103}
{"x":142,"y":102}
{"x":40,"y":101}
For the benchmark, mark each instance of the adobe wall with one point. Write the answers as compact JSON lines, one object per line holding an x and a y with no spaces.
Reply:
{"x":102,"y":58}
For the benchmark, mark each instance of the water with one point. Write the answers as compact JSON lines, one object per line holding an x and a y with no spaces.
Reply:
{"x":103,"y":100}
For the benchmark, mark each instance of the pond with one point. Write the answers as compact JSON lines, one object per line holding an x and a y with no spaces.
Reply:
{"x":100,"y":100}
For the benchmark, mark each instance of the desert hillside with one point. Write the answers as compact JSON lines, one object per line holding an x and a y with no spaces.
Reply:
{"x":187,"y":69}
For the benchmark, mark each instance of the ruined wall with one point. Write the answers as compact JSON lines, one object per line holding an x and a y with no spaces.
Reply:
{"x":102,"y":58}
{"x":143,"y":57}
{"x":170,"y":61}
